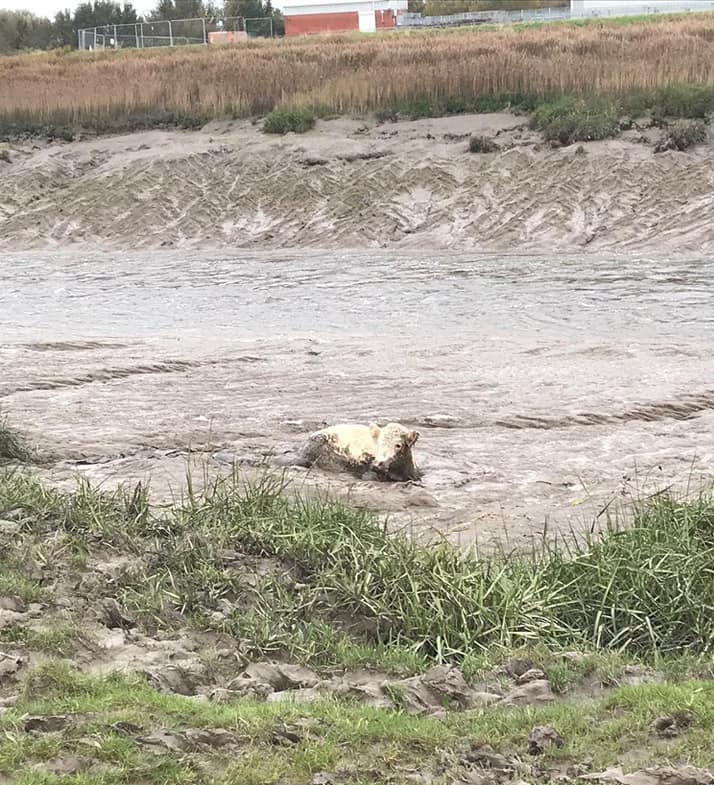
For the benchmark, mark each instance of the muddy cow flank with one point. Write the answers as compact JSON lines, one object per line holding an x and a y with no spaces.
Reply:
{"x":363,"y":450}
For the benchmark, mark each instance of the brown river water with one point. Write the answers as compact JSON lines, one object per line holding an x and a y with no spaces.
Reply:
{"x":549,"y":392}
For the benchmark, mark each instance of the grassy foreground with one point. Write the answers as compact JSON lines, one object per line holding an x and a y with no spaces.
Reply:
{"x":250,"y":743}
{"x":340,"y":592}
{"x":418,"y":73}
{"x":347,"y":591}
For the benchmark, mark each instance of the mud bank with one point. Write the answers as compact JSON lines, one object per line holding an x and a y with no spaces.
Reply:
{"x":353,"y":183}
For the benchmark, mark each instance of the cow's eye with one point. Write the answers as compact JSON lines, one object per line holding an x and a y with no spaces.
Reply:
{"x":399,"y":447}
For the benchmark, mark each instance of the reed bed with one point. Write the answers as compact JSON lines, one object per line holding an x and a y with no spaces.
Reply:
{"x":353,"y":74}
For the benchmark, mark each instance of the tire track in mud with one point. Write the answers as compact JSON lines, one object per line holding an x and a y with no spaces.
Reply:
{"x":519,"y":198}
{"x":685,"y":407}
{"x":109,"y":374}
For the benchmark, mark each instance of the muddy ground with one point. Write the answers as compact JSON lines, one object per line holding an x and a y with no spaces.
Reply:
{"x":550,"y":392}
{"x":550,"y":389}
{"x":356,"y":184}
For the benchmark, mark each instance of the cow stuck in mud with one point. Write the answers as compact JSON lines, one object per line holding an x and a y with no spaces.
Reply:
{"x":368,"y":451}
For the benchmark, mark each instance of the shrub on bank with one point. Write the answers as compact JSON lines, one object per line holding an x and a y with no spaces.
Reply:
{"x":297,"y":120}
{"x":682,"y":135}
{"x":576,"y":119}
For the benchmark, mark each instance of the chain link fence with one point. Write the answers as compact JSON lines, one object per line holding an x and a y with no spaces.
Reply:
{"x":174,"y":32}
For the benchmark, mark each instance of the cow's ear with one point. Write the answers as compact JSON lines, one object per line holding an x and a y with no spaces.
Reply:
{"x":374,"y":430}
{"x":412,"y":438}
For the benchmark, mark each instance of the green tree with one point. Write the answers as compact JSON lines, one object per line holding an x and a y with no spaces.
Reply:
{"x":184,"y":9}
{"x":250,"y":9}
{"x":63,"y":32}
{"x":23,"y":30}
{"x":256,"y":9}
{"x":103,"y":12}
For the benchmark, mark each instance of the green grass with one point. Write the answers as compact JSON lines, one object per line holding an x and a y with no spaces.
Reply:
{"x":339,"y":591}
{"x":13,"y":445}
{"x":330,"y":735}
{"x":58,"y":638}
{"x":343,"y":589}
{"x":569,"y":118}
{"x":66,"y":125}
{"x":15,"y":583}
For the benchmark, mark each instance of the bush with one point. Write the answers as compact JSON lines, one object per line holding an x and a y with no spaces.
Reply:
{"x":297,"y":120}
{"x":482,"y":144}
{"x":424,"y":108}
{"x":682,"y":135}
{"x":685,"y":100}
{"x":570,"y":119}
{"x":518,"y":103}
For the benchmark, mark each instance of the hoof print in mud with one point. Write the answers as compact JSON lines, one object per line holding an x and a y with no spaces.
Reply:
{"x":370,"y":452}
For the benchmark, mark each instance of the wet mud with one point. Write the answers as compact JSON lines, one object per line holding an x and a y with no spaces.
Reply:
{"x":549,"y":392}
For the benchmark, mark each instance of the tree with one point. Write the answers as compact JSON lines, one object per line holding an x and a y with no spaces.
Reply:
{"x":249,"y":9}
{"x":184,"y":9}
{"x":256,"y":9}
{"x":63,"y":33}
{"x":23,"y":30}
{"x":103,"y":12}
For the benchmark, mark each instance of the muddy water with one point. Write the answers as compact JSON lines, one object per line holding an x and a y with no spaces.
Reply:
{"x":546,"y":390}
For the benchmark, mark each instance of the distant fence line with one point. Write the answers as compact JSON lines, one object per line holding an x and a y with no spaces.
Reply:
{"x":172,"y":32}
{"x":407,"y":20}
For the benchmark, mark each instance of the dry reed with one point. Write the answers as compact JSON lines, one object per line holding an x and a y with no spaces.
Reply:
{"x":357,"y":74}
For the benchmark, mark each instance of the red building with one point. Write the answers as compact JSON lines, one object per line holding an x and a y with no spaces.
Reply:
{"x":304,"y":17}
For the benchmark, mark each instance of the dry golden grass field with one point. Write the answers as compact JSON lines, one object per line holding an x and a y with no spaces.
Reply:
{"x":342,"y":74}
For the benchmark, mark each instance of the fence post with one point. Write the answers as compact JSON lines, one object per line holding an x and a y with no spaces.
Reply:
{"x":205,"y":37}
{"x":136,"y":34}
{"x":116,"y":42}
{"x":271,"y":27}
{"x":141,"y":25}
{"x":171,"y":34}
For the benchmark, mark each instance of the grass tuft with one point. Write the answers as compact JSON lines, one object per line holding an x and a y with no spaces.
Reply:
{"x":13,"y":445}
{"x":482,"y":144}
